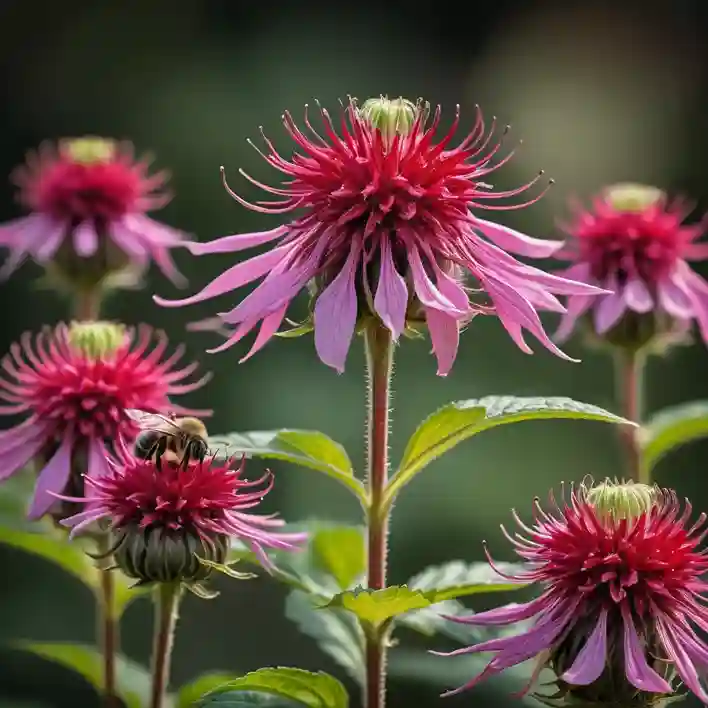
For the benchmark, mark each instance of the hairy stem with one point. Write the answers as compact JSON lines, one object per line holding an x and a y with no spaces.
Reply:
{"x":108,"y":627}
{"x":166,"y":613}
{"x":629,"y":380}
{"x":379,"y":361}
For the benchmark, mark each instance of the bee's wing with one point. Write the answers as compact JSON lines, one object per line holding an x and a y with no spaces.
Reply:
{"x":151,"y":421}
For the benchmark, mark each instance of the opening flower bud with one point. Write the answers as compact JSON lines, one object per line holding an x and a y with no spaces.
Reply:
{"x":390,"y":116}
{"x":615,"y":502}
{"x":96,"y":340}
{"x":90,"y":150}
{"x":628,"y":197}
{"x":161,"y":555}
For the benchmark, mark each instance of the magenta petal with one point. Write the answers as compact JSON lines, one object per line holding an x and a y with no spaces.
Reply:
{"x":590,"y":662}
{"x":444,"y":332}
{"x":52,"y":479}
{"x":680,"y":649}
{"x":85,"y":239}
{"x":637,"y":296}
{"x":97,"y":460}
{"x":608,"y":312}
{"x":577,"y":306}
{"x":673,"y":298}
{"x":335,"y":315}
{"x":236,"y":276}
{"x":269,"y":327}
{"x":16,"y":452}
{"x":235,"y":243}
{"x":427,"y":292}
{"x":391,"y":300}
{"x":508,"y":614}
{"x":638,"y":671}
{"x":516,"y":242}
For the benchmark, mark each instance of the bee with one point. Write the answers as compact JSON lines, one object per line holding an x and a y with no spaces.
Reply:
{"x":181,"y":439}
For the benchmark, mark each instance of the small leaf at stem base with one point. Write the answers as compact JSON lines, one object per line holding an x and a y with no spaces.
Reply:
{"x":306,"y":448}
{"x":189,"y":695}
{"x":375,"y":607}
{"x":302,"y":688}
{"x":457,"y":421}
{"x":671,"y":428}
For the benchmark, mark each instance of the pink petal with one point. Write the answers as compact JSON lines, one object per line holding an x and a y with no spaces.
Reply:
{"x":269,"y":327}
{"x":638,"y":671}
{"x":391,"y":300}
{"x":444,"y":332}
{"x":335,"y":314}
{"x":637,"y":296}
{"x":16,"y":452}
{"x":577,"y":306}
{"x":85,"y":239}
{"x":236,"y":276}
{"x":590,"y":662}
{"x":237,"y":242}
{"x":52,"y":479}
{"x":516,"y":242}
{"x":427,"y":292}
{"x":608,"y":312}
{"x":673,"y":297}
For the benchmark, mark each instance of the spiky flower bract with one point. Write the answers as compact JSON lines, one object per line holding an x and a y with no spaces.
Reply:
{"x":88,"y":200}
{"x":621,"y":570}
{"x":167,"y":518}
{"x":386,"y":230}
{"x":74,"y":386}
{"x":633,"y":242}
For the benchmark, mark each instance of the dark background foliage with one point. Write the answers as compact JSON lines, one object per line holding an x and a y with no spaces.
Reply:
{"x":601,"y":92}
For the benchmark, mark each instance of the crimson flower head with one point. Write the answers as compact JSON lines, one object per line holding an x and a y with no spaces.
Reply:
{"x":621,"y":570}
{"x":88,"y":200}
{"x":634,"y":243}
{"x":385,"y":229}
{"x":167,"y":517}
{"x":75,"y":385}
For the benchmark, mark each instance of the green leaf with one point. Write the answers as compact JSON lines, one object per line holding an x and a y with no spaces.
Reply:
{"x":314,"y":690}
{"x":15,"y":494}
{"x":337,"y":633}
{"x":190,"y":694}
{"x":248,"y":699}
{"x":375,"y":607}
{"x":132,"y":680}
{"x":306,"y":448}
{"x":55,"y":549}
{"x":340,"y":552}
{"x":458,"y":579}
{"x":457,"y":421}
{"x":671,"y":428}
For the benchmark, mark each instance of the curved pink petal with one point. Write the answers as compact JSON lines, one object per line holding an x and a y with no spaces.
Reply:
{"x":590,"y":662}
{"x":52,"y":480}
{"x":335,"y":314}
{"x":608,"y":311}
{"x":444,"y":333}
{"x":391,"y":299}
{"x":637,"y":296}
{"x":516,"y":242}
{"x":638,"y":671}
{"x":85,"y":239}
{"x":236,"y":242}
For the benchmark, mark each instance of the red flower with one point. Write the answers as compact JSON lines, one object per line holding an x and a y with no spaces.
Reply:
{"x":385,"y":221}
{"x":75,"y":399}
{"x":207,"y":500}
{"x":634,"y":243}
{"x":621,"y":571}
{"x":88,"y":199}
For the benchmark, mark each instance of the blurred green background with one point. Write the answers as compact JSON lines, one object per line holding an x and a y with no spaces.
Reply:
{"x":600,"y":92}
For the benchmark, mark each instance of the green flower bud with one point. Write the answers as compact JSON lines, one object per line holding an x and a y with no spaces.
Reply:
{"x":159,"y":555}
{"x":96,"y":339}
{"x":633,"y":197}
{"x":614,"y":502}
{"x":390,"y":116}
{"x":90,"y":149}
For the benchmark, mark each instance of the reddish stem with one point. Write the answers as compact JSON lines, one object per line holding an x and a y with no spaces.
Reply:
{"x":108,"y":630}
{"x":87,"y":305}
{"x":379,"y":359}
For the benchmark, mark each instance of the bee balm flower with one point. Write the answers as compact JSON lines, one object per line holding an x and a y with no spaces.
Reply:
{"x":88,"y":200}
{"x":73,"y":385}
{"x":621,"y":572}
{"x":634,"y":243}
{"x":385,"y":229}
{"x":165,"y":517}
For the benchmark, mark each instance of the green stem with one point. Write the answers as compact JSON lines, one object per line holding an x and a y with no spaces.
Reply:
{"x":166,"y":613}
{"x":379,"y":361}
{"x":87,"y":305}
{"x":108,"y":627}
{"x":629,"y":380}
